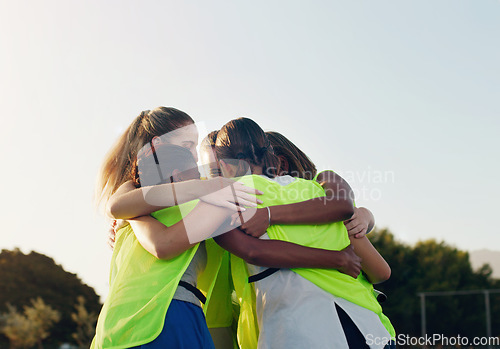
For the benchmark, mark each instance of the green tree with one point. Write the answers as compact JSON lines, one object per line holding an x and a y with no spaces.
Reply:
{"x":86,"y":322}
{"x":32,"y":327}
{"x":434,"y":266}
{"x":16,"y":327}
{"x":32,"y":275}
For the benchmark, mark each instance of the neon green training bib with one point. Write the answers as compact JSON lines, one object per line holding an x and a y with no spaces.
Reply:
{"x":332,"y":236}
{"x":142,"y":286}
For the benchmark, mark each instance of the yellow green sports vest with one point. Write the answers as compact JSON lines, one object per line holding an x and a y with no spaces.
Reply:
{"x":142,"y":286}
{"x":332,"y":236}
{"x":215,"y":281}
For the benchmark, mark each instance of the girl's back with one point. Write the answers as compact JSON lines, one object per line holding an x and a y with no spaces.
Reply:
{"x":297,"y":308}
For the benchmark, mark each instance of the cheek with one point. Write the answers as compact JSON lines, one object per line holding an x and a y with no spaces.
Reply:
{"x":195,"y":153}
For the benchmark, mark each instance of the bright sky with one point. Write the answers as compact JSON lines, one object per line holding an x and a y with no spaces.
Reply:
{"x":401,"y":97}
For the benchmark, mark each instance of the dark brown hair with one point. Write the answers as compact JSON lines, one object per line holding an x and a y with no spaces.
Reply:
{"x":299,"y":164}
{"x":243,"y":139}
{"x":212,"y":138}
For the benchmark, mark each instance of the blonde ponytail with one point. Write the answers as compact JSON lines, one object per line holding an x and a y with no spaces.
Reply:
{"x":121,"y":160}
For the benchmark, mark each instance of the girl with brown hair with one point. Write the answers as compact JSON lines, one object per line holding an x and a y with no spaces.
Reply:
{"x":308,"y":308}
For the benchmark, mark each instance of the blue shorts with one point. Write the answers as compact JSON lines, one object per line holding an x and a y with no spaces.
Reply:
{"x":185,"y":328}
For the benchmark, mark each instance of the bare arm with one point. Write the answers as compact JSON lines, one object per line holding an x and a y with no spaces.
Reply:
{"x":361,"y":222}
{"x":373,"y":264}
{"x":337,"y":205}
{"x":168,"y":242}
{"x":282,"y":254}
{"x":130,"y":202}
{"x":338,"y":200}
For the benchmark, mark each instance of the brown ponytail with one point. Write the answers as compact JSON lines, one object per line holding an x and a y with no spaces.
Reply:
{"x":299,"y":164}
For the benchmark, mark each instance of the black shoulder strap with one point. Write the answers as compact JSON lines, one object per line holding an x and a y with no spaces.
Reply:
{"x":193,"y":290}
{"x":262,"y":275}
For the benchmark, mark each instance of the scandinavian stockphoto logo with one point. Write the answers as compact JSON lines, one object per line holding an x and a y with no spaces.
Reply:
{"x":368,"y":183}
{"x":172,"y":159}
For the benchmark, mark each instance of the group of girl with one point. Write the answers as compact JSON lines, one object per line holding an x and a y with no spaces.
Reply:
{"x":265,"y":230}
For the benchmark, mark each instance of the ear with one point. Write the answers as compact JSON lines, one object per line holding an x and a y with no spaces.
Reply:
{"x":177,"y":175}
{"x":284,"y":166}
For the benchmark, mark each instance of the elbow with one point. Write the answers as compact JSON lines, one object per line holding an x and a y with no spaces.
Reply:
{"x":169,"y":250}
{"x":163,"y":253}
{"x":387,"y":274}
{"x":117,"y":211}
{"x":111,"y":213}
{"x":160,"y":253}
{"x":155,"y":250}
{"x":383,"y":275}
{"x":342,"y":212}
{"x":159,"y":249}
{"x":113,"y":210}
{"x":347,"y":211}
{"x":253,"y":256}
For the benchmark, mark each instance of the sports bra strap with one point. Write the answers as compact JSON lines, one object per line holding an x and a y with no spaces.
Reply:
{"x":193,"y":290}
{"x":262,"y":275}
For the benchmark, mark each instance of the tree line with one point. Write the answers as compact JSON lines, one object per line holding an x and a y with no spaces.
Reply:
{"x":43,"y":305}
{"x":435,"y":266}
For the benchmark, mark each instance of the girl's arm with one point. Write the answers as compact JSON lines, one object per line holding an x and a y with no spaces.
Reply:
{"x":337,"y":205}
{"x":373,"y":264}
{"x":361,"y":222}
{"x":129,"y":202}
{"x":168,"y":242}
{"x":338,"y":192}
{"x":282,"y":254}
{"x":288,"y":255}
